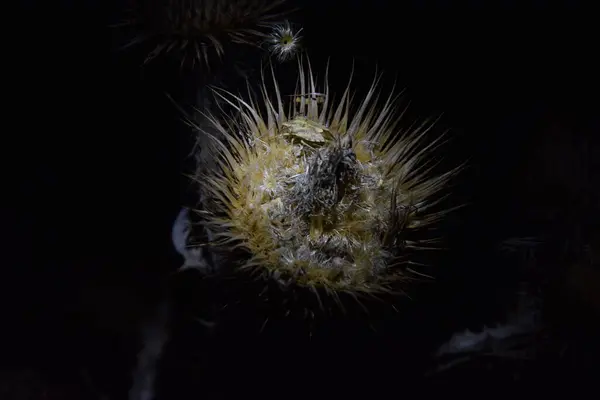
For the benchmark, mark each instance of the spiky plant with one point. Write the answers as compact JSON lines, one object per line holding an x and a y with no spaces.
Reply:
{"x":321,"y":196}
{"x":201,"y":30}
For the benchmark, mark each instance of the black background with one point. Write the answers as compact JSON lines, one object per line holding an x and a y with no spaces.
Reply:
{"x":93,"y":152}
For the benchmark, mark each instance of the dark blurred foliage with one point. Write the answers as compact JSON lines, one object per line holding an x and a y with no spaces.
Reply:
{"x":94,"y":163}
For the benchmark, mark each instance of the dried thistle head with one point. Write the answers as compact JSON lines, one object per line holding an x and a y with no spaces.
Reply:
{"x":317,"y":196}
{"x":201,"y":30}
{"x":284,"y":41}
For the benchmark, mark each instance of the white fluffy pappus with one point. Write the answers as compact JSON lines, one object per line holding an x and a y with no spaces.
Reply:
{"x":516,"y":338}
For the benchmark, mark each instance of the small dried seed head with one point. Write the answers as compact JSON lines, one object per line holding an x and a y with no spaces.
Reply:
{"x":284,"y":41}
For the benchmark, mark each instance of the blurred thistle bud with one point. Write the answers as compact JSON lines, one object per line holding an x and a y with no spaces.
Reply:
{"x":200,"y":32}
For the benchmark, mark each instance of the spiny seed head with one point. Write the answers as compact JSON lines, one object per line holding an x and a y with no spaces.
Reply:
{"x":318,"y":197}
{"x":199,"y":30}
{"x":284,"y":41}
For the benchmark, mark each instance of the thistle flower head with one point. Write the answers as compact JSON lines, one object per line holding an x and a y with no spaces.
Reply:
{"x":317,"y":196}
